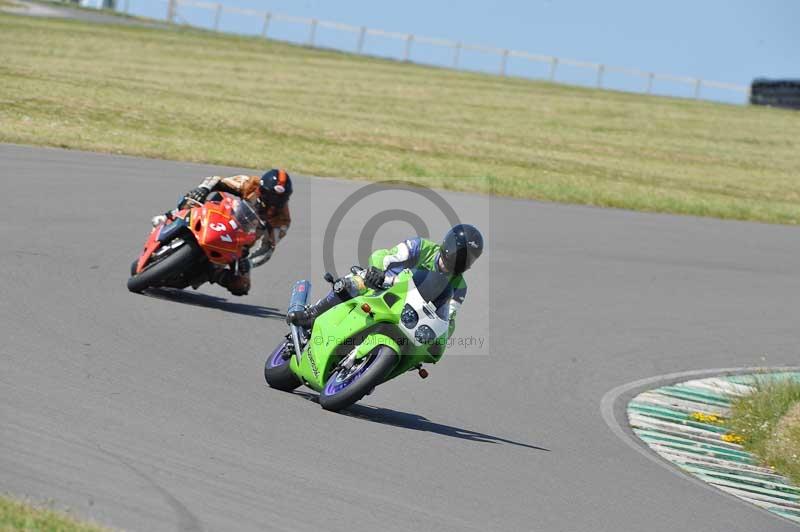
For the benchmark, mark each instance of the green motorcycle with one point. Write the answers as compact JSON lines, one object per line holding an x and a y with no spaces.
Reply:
{"x":368,"y":340}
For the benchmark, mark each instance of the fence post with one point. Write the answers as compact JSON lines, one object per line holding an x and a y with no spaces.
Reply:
{"x":650,"y":77}
{"x":217,"y":16}
{"x":407,"y":54}
{"x":312,"y":32}
{"x":456,"y":54}
{"x":503,"y":62}
{"x":361,"y":36}
{"x":600,"y":71}
{"x":553,"y":67}
{"x":171,"y":11}
{"x":267,"y":17}
{"x":697,"y":84}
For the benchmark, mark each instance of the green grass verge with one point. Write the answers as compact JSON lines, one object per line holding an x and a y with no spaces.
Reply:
{"x":191,"y":95}
{"x":769,"y":422}
{"x":16,"y":515}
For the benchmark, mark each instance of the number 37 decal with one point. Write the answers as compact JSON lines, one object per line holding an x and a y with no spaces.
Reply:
{"x":219,"y":227}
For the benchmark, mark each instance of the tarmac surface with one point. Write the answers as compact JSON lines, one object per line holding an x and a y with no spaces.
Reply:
{"x":55,"y":10}
{"x":151,"y":412}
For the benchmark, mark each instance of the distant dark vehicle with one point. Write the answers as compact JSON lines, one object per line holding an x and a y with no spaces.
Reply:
{"x":776,"y":92}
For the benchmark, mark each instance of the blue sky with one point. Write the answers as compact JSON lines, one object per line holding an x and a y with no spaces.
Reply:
{"x":730,"y":41}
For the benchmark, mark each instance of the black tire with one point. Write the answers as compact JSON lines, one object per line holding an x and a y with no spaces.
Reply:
{"x":384,"y":359}
{"x":168,"y":268}
{"x":277,"y":372}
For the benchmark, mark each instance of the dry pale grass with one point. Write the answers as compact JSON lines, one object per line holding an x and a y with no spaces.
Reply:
{"x":191,"y":95}
{"x":783,"y":449}
{"x":769,"y":422}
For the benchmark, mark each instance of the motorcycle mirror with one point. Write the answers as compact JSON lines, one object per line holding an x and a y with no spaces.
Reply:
{"x":329,"y":277}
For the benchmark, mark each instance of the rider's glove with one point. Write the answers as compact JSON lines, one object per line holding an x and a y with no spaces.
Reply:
{"x":198,"y":194}
{"x":374,"y":278}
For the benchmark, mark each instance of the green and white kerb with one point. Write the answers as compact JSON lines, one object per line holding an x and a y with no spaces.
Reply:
{"x":681,"y":423}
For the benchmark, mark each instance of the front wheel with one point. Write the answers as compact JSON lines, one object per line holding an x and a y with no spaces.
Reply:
{"x":277,"y":372}
{"x":164,"y":269}
{"x":347,"y":386}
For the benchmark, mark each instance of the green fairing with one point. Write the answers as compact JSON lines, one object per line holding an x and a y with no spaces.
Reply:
{"x":346,"y":326}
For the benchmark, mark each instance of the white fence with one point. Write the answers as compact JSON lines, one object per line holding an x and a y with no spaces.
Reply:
{"x":598,"y":71}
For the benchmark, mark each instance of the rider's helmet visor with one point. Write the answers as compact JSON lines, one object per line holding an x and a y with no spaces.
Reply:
{"x":246,"y":215}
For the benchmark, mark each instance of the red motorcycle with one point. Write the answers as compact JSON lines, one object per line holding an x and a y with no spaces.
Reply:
{"x":184,"y":250}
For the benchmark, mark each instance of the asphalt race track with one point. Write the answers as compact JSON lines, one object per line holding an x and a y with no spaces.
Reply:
{"x":151,"y":413}
{"x":39,"y":9}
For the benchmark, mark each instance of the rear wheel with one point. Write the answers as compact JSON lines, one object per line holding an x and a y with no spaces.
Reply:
{"x":165,"y":269}
{"x":347,"y":386}
{"x":277,"y":372}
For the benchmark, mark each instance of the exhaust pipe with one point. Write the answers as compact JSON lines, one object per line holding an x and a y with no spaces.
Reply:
{"x":297,"y":302}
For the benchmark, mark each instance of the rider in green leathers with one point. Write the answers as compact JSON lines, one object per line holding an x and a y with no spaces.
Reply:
{"x":461,"y":246}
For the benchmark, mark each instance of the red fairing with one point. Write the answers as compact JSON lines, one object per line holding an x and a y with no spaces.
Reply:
{"x":216,"y":230}
{"x":150,"y":246}
{"x":153,"y":243}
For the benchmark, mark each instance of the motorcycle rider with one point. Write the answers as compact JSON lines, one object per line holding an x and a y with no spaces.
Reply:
{"x":269,"y":195}
{"x":461,"y":246}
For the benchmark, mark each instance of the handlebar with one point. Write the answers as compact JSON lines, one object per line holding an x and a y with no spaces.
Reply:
{"x":362,"y":272}
{"x":193,"y":201}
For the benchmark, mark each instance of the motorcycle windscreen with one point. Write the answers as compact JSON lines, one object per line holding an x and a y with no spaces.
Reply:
{"x":434,"y":287}
{"x":426,"y":312}
{"x":245,"y":214}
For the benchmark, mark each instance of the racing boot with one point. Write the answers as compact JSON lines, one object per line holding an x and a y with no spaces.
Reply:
{"x":305,"y":318}
{"x":344,"y":289}
{"x":239,"y":285}
{"x":236,"y":281}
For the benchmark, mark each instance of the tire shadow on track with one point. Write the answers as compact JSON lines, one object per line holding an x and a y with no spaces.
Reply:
{"x":198,"y":299}
{"x":405,"y":420}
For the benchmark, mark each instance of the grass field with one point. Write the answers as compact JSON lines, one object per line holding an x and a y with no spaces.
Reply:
{"x":769,"y":422}
{"x":190,"y":95}
{"x":19,"y":516}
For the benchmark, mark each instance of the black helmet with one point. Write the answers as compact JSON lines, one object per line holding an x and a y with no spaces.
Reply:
{"x":461,"y":246}
{"x":276,"y":187}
